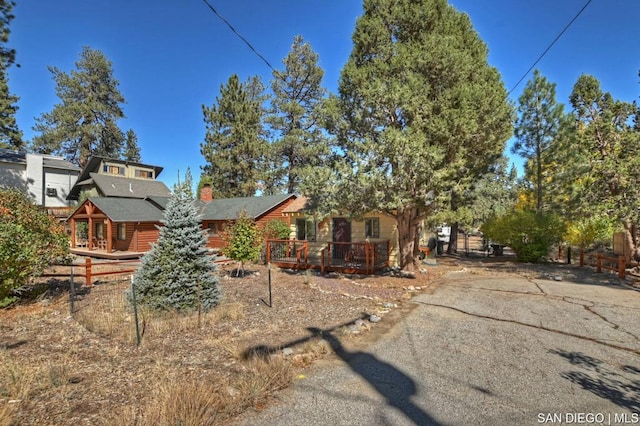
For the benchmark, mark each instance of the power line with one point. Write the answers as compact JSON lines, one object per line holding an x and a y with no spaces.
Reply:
{"x":238,"y":34}
{"x":550,"y":46}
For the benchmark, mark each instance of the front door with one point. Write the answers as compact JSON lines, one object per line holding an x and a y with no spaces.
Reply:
{"x":341,"y":234}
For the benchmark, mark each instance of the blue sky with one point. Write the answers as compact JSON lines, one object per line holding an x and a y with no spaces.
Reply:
{"x":172,"y":56}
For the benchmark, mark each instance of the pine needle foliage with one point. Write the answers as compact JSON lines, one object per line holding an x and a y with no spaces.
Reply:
{"x":178,"y":270}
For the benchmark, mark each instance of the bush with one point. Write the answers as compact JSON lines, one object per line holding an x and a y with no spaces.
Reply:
{"x":594,"y":230}
{"x":243,"y":240}
{"x":529,"y":234}
{"x":29,"y":241}
{"x":276,"y":230}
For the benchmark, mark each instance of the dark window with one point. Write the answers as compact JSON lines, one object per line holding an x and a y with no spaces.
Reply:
{"x":52,"y":192}
{"x":305,"y":229}
{"x":372,"y":227}
{"x":122,"y":231}
{"x":147,"y":174}
{"x":213,"y":228}
{"x":113,"y":170}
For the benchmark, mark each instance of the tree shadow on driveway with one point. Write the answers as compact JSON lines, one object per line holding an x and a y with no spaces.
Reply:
{"x":621,"y":387}
{"x":396,"y":387}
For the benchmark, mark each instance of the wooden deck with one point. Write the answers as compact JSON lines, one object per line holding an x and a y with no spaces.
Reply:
{"x":348,"y":258}
{"x":103,"y":254}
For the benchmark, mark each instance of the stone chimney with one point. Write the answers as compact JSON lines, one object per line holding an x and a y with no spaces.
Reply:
{"x":206,"y":194}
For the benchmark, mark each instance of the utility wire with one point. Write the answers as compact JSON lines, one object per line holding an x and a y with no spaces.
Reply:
{"x":549,"y":47}
{"x":238,"y":34}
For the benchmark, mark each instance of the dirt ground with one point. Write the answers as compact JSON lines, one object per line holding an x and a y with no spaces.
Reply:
{"x":58,"y":368}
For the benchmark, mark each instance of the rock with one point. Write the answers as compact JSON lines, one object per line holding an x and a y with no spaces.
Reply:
{"x":389,"y":305}
{"x":374,"y":318}
{"x":257,"y":274}
{"x":411,"y":288}
{"x":359,"y":323}
{"x":287,"y":351}
{"x":232,"y":391}
{"x":353,"y":329}
{"x":557,"y":278}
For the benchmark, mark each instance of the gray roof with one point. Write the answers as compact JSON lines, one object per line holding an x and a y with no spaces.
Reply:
{"x":230,"y":208}
{"x":59,"y":163}
{"x":128,"y":209}
{"x":117,"y":186}
{"x":150,"y":209}
{"x":10,"y":156}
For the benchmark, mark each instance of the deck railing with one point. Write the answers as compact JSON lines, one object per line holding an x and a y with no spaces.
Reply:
{"x":353,"y":257}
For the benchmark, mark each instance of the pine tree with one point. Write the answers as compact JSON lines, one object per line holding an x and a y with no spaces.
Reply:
{"x":420,"y":111}
{"x":234,"y":145}
{"x":85,"y":122}
{"x":295,"y":116}
{"x":10,"y":134}
{"x":178,"y":269}
{"x":131,"y":149}
{"x":538,"y":124}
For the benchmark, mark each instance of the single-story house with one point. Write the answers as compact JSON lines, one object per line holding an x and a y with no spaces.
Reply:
{"x":108,"y":225}
{"x":344,"y":237}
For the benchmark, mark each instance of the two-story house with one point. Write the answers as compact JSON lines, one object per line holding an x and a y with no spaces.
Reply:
{"x":48,"y":179}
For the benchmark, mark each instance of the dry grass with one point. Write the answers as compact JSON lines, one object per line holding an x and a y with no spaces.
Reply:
{"x":202,"y":402}
{"x":187,"y":370}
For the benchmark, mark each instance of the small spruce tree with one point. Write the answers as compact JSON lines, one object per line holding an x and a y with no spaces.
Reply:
{"x":178,"y":268}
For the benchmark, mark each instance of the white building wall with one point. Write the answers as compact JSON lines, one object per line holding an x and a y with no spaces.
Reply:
{"x":13,"y":175}
{"x":61,"y":181}
{"x":35,"y":177}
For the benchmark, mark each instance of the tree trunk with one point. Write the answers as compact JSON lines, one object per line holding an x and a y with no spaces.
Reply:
{"x":452,"y":247}
{"x":631,"y":249}
{"x":408,"y":222}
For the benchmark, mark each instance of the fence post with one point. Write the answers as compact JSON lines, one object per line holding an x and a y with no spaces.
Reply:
{"x":87,"y":268}
{"x":568,"y":255}
{"x":581,"y":257}
{"x":135,"y":311}
{"x":268,"y":251}
{"x":72,"y":292}
{"x":599,"y":262}
{"x":621,"y":267}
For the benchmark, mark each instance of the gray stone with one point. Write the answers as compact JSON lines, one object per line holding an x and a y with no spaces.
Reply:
{"x":287,"y":351}
{"x":374,"y":318}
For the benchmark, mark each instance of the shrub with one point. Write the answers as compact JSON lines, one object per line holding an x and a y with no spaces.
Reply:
{"x":590,"y":231}
{"x":529,"y":234}
{"x":276,"y":229}
{"x":243,"y":240}
{"x":29,"y":241}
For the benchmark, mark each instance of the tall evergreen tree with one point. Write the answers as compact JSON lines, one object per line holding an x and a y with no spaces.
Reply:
{"x":234,"y":144}
{"x":295,"y":115}
{"x":608,"y":140}
{"x":85,"y":122}
{"x":420,"y":107}
{"x":537,"y":125}
{"x":178,"y":269}
{"x":131,"y":150}
{"x":10,"y":134}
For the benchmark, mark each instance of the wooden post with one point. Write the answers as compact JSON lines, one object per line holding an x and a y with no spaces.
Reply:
{"x":599,"y":262}
{"x":87,"y":267}
{"x":581,"y":257}
{"x":268,"y":252}
{"x":621,"y":267}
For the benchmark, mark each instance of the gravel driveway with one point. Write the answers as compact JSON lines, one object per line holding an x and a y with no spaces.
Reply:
{"x":485,"y":349}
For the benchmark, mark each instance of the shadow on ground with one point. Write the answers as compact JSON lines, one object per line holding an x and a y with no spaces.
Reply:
{"x":618,"y":385}
{"x":391,"y":383}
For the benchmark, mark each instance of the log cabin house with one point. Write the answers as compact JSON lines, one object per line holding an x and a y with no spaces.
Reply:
{"x":121,"y":215}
